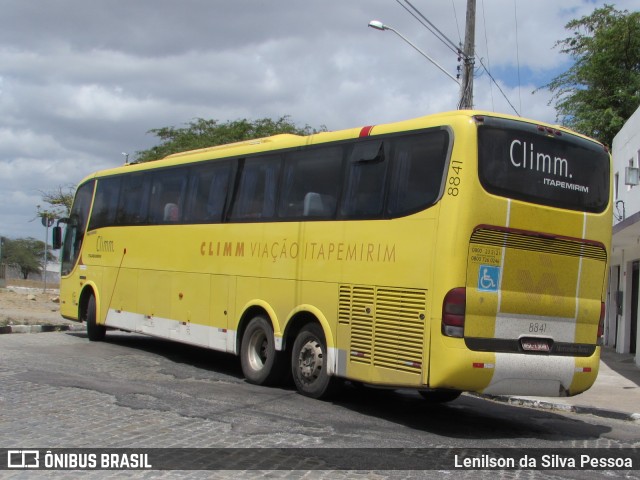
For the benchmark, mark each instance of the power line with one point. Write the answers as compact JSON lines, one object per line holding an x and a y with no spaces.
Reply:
{"x":430,"y":26}
{"x":467,"y":87}
{"x":486,"y":43}
{"x":455,"y":16}
{"x":497,"y":85}
{"x":515,"y":14}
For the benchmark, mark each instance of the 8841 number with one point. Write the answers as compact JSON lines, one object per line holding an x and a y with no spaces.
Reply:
{"x":453,"y":184}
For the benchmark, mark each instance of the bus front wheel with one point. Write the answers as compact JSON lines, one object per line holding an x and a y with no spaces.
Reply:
{"x":309,"y":363}
{"x":95,"y":332}
{"x":261,"y":363}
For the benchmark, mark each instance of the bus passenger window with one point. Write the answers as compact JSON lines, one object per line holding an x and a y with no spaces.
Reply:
{"x":256,"y":195}
{"x":133,"y":203}
{"x":167,"y":194}
{"x":208,"y":192}
{"x":365,"y":188}
{"x":105,"y":203}
{"x":311,"y":184}
{"x":417,"y":172}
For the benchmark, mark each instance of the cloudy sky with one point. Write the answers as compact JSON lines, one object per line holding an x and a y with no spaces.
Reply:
{"x":82,"y":81}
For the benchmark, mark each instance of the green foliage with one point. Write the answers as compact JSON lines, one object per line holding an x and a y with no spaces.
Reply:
{"x":60,"y":201}
{"x":25,"y":254}
{"x":202,"y":133}
{"x":602,"y":88}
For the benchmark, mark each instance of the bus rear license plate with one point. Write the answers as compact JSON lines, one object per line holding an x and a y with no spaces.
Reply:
{"x":535,"y":345}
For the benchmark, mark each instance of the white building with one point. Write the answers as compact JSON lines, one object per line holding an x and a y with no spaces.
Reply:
{"x":621,"y":329}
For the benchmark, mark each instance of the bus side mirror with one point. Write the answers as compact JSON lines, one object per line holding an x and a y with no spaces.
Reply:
{"x":57,"y":237}
{"x":57,"y":234}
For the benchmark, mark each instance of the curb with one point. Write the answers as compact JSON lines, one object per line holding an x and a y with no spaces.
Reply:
{"x":40,"y":328}
{"x":545,"y":405}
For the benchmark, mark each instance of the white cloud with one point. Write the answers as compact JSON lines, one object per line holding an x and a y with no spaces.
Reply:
{"x":97,"y":102}
{"x":26,"y":142}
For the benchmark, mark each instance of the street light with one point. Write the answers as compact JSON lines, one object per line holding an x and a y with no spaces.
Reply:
{"x":47,"y":218}
{"x":47,"y":221}
{"x":381,"y":26}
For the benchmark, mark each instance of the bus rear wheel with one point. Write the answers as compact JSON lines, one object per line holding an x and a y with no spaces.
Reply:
{"x":309,"y":363}
{"x":95,"y":332}
{"x":261,"y":363}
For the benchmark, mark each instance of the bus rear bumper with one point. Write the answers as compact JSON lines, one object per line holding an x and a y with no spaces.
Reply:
{"x":497,"y":373}
{"x":538,"y":375}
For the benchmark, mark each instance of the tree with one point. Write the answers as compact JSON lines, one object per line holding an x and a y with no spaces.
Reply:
{"x":202,"y":133}
{"x":25,"y":254}
{"x":60,"y":200}
{"x":601,"y":90}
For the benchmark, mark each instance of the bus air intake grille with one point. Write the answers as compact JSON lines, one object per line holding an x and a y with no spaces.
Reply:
{"x":387,"y":325}
{"x":537,"y":243}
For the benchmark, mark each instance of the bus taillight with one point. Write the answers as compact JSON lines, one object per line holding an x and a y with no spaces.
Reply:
{"x":601,"y":324}
{"x":453,"y":309}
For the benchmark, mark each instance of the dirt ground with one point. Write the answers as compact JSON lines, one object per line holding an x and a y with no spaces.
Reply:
{"x":30,"y":306}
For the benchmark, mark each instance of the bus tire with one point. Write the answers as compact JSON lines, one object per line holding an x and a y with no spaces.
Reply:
{"x":261,"y":362}
{"x":95,"y":332}
{"x":440,"y":396}
{"x":309,"y":363}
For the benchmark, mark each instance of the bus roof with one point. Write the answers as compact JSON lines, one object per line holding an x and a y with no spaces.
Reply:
{"x":284,"y":141}
{"x":276,"y":139}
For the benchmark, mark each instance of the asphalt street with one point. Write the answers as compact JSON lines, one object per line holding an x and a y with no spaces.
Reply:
{"x":58,"y":390}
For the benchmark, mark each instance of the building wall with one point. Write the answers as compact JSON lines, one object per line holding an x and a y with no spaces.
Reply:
{"x":625,"y":151}
{"x":10,"y":273}
{"x":621,"y":323}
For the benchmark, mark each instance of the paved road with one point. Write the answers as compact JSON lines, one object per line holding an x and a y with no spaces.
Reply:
{"x":60,"y":390}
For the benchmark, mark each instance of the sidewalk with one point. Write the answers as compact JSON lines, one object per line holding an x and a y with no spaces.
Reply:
{"x":615,"y":394}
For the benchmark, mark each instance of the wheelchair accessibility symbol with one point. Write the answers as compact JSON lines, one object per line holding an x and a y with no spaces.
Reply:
{"x":488,"y":278}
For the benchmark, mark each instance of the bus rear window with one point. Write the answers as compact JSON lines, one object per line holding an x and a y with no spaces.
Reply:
{"x":520,"y":161}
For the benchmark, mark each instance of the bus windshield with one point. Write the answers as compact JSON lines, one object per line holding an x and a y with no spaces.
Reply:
{"x":76,"y":225}
{"x":539,"y":165}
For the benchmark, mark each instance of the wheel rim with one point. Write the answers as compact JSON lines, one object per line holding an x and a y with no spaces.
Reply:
{"x":310,"y":361}
{"x":258,"y":347}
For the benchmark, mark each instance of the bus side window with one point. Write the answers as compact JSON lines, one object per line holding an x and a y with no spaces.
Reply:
{"x":167,"y":195}
{"x":208,"y":192}
{"x":105,"y":203}
{"x":133,"y":203}
{"x":366,"y":180}
{"x":417,"y":172}
{"x":311,"y":183}
{"x":255,"y":198}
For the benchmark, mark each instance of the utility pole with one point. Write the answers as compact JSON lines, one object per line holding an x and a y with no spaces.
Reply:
{"x":468,"y":54}
{"x":3,"y":271}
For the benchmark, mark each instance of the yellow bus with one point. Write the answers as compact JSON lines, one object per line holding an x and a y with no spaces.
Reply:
{"x":462,"y":251}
